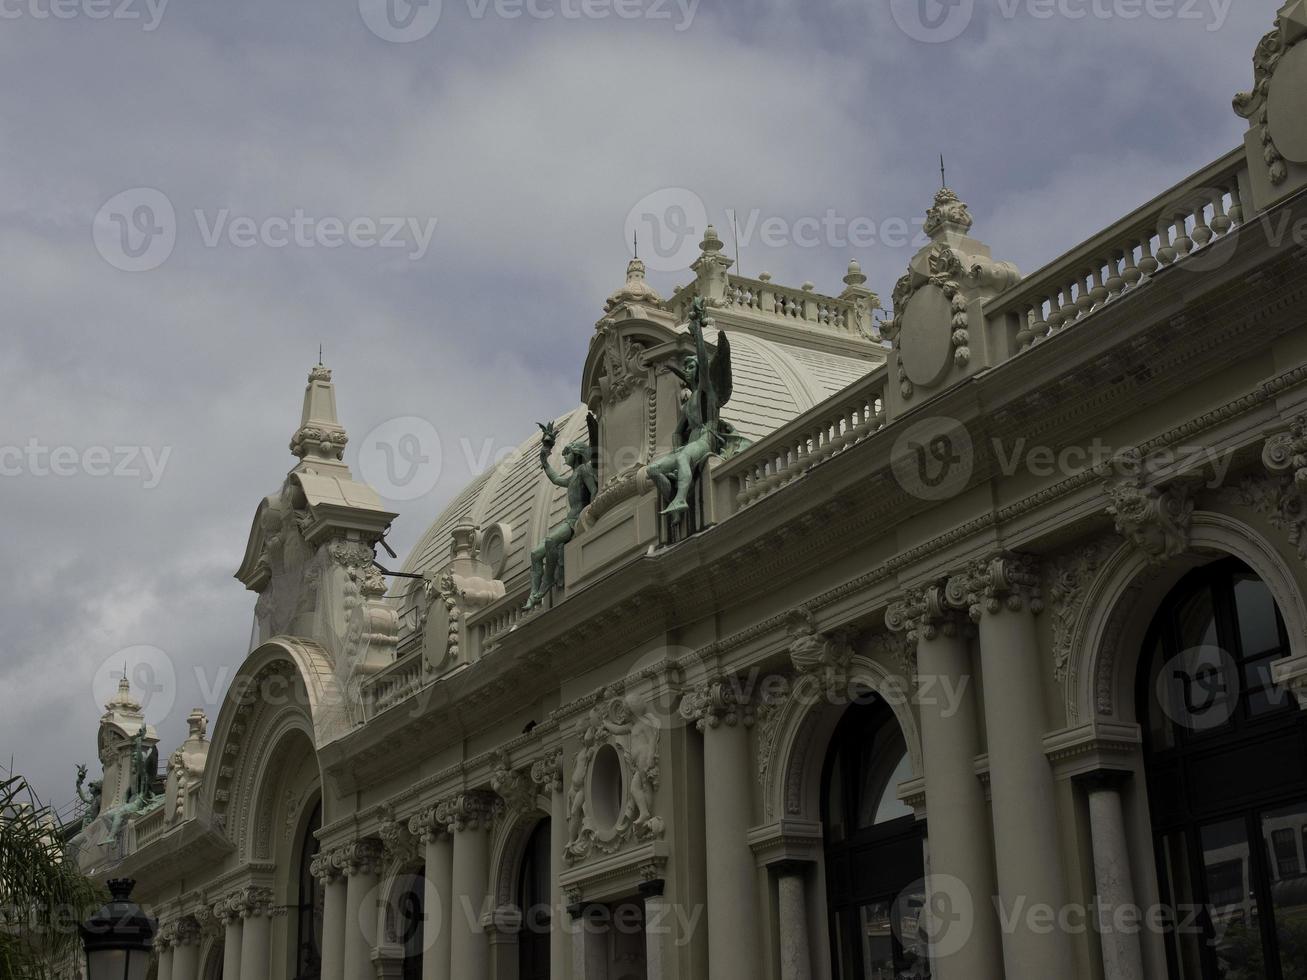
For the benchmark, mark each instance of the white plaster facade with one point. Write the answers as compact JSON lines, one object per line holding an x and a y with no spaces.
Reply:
{"x":671,"y":710}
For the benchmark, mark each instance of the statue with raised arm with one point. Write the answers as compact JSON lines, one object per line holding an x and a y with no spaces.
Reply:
{"x":145,"y":764}
{"x":582,"y":483}
{"x":700,"y":428}
{"x":90,"y":796}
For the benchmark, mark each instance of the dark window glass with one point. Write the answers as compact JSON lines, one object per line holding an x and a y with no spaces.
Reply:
{"x":534,"y":896}
{"x":1226,"y":764}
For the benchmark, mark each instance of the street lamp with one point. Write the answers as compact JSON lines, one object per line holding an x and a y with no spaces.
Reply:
{"x":118,"y":938}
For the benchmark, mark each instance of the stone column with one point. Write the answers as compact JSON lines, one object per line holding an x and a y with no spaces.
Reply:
{"x":548,"y":776}
{"x":186,"y":951}
{"x":469,"y":817}
{"x":256,"y":934}
{"x":227,"y":912}
{"x":657,"y":930}
{"x":792,"y":920}
{"x":438,"y":853}
{"x":957,"y":816}
{"x":360,"y":862}
{"x":734,"y":937}
{"x":1122,"y":955}
{"x":503,"y":928}
{"x":163,"y":950}
{"x":1002,"y":595}
{"x":589,"y":944}
{"x":327,"y":870}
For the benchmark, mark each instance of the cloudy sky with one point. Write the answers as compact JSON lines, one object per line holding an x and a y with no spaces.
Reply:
{"x":194,"y":195}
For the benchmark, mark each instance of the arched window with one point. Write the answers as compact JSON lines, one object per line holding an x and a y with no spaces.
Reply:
{"x":308,"y":910}
{"x":874,"y":860}
{"x":534,"y":897}
{"x":1226,"y":760}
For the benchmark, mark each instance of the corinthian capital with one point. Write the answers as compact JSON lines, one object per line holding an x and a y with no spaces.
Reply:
{"x":716,"y":703}
{"x":991,"y":584}
{"x":922,"y":613}
{"x":360,"y":857}
{"x":473,"y":810}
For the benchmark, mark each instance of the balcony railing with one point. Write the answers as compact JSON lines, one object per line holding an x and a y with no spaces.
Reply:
{"x":814,"y":437}
{"x":1174,"y":228}
{"x":761,"y":296}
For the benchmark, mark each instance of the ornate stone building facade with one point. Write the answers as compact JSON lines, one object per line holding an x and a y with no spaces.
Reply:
{"x":977,"y":652}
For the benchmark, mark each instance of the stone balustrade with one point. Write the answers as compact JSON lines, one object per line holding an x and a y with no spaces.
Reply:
{"x":1172,"y":229}
{"x":812,"y":438}
{"x":762,"y":296}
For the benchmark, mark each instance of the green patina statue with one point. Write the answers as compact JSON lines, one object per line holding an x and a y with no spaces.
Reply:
{"x":700,"y":428}
{"x":145,"y":763}
{"x":90,"y":796}
{"x":581,"y":484}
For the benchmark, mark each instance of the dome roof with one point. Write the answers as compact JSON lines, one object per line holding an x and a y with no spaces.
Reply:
{"x":773,"y":383}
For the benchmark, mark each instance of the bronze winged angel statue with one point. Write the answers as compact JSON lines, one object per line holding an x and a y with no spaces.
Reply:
{"x":700,"y":428}
{"x":581,"y":484}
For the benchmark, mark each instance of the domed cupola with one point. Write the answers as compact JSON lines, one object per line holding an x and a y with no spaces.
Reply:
{"x":635,"y":290}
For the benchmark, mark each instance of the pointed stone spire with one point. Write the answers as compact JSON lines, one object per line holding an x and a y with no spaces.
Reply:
{"x":320,"y":440}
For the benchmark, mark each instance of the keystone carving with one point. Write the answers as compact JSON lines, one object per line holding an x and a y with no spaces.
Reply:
{"x":717,"y":703}
{"x":823,"y":656}
{"x":1154,"y":519}
{"x":514,"y":788}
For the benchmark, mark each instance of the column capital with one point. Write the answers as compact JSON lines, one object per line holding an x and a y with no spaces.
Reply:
{"x":227,"y":910}
{"x":717,"y":703}
{"x":253,"y":901}
{"x":185,"y":932}
{"x":397,"y":840}
{"x":923,"y":613}
{"x":324,"y":868}
{"x":166,"y":937}
{"x":426,"y":825}
{"x":474,"y":810}
{"x":989,"y":585}
{"x":359,"y":857}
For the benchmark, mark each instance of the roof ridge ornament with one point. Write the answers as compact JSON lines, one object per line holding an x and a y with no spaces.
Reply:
{"x":949,"y":213}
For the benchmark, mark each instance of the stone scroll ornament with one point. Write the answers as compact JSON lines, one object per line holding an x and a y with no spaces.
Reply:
{"x":1276,"y":103}
{"x":581,"y":484}
{"x":700,"y":429}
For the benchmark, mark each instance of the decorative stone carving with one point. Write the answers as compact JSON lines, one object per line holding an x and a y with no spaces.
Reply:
{"x":633,"y":729}
{"x":894,"y":648}
{"x":1070,"y":577}
{"x":922,"y":613}
{"x":323,"y":866}
{"x":1153,"y":518}
{"x":1276,"y":110}
{"x":989,"y":585}
{"x":186,"y":767}
{"x":824,"y":656}
{"x":514,"y":788}
{"x":399,"y":843}
{"x":427,"y":825}
{"x":359,"y":857}
{"x":473,"y":810}
{"x":251,"y":901}
{"x":547,"y":773}
{"x":715,"y":703}
{"x":948,"y":210}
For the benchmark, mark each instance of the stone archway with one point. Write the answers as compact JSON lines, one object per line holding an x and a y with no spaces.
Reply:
{"x":1118,"y":607}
